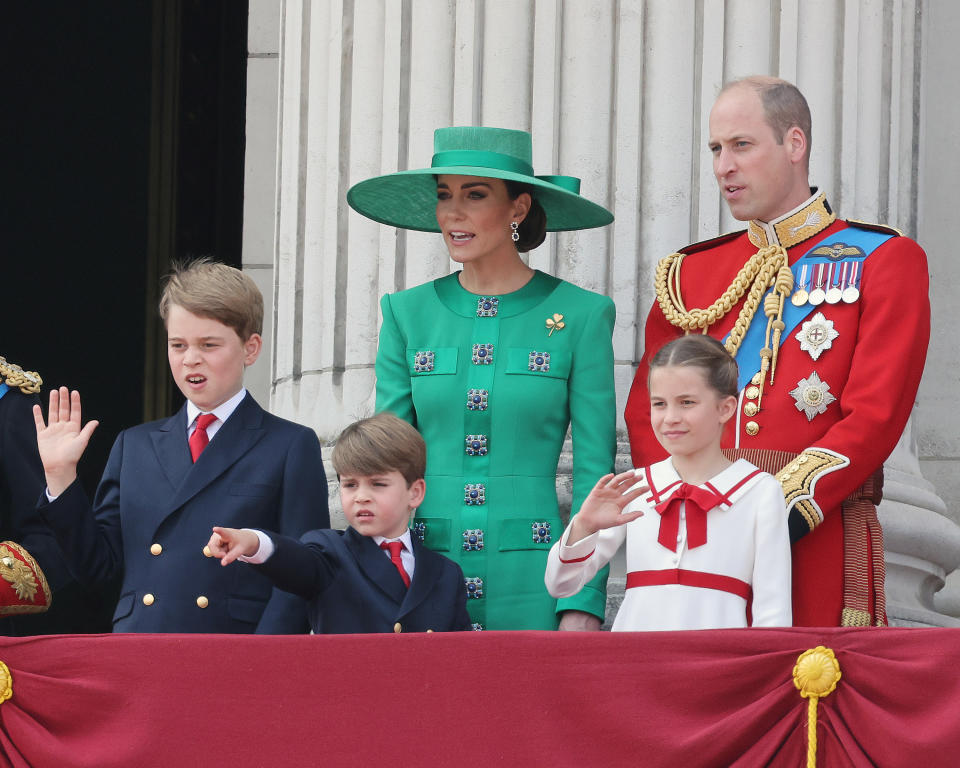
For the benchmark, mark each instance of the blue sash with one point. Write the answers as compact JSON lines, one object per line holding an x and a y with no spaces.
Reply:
{"x":748,"y":356}
{"x":3,"y":390}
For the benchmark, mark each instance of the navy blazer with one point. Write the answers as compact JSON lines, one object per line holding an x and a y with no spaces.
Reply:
{"x":154,"y":510}
{"x":353,"y":587}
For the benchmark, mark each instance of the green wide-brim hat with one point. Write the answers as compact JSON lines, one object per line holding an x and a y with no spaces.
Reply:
{"x":408,"y":199}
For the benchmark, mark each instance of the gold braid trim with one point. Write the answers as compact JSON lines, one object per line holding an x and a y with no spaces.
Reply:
{"x":25,"y":577}
{"x":808,"y":512}
{"x":800,"y":476}
{"x":766,"y":268}
{"x":15,"y":377}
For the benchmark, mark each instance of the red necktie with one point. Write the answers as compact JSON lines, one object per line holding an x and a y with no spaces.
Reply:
{"x":199,"y":439}
{"x":699,"y":502}
{"x":395,"y":548}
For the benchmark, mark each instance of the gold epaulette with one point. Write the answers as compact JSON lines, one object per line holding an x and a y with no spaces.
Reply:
{"x":800,"y":476}
{"x":884,"y":228}
{"x":11,"y":374}
{"x":23,"y":585}
{"x":705,"y":244}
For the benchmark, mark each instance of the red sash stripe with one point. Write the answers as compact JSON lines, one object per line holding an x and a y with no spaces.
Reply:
{"x":689,"y":579}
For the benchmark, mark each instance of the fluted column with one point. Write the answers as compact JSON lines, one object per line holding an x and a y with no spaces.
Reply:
{"x":616,"y":93}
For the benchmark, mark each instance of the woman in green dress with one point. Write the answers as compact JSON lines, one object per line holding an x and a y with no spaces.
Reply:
{"x":492,"y":364}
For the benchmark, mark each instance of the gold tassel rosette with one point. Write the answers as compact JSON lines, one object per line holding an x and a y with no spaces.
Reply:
{"x":815,"y":675}
{"x":6,"y":683}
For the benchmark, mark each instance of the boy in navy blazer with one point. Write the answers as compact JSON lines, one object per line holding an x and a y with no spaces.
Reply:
{"x":222,"y":457}
{"x":374,"y":576}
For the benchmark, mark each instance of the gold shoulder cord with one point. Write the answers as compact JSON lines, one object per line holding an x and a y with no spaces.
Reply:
{"x":14,"y":376}
{"x":766,"y":268}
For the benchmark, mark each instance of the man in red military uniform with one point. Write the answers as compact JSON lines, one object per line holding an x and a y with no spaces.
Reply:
{"x":829,"y":322}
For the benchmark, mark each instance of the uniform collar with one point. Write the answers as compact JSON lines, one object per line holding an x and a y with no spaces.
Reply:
{"x":806,"y":220}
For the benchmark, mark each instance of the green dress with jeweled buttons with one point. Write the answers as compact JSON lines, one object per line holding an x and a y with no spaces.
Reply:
{"x":492,"y":383}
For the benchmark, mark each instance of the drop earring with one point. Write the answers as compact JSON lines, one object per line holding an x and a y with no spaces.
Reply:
{"x":514,"y":235}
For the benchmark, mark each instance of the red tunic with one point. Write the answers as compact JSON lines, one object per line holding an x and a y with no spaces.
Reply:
{"x":873,"y":369}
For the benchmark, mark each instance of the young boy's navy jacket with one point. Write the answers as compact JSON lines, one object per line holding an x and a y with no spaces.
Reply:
{"x":154,"y":510}
{"x":354,"y":588}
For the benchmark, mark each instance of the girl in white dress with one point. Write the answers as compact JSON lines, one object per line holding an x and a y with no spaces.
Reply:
{"x":707,"y":539}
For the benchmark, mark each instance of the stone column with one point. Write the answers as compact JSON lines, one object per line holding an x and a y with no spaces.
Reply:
{"x":618,"y":94}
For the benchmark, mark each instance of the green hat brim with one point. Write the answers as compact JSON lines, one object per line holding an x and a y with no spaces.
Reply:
{"x":408,"y":199}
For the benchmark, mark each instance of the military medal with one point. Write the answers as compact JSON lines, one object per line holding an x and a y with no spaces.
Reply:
{"x":817,"y":295}
{"x":816,"y":335}
{"x":812,"y":396}
{"x":851,"y":292}
{"x":800,"y":295}
{"x":833,"y":292}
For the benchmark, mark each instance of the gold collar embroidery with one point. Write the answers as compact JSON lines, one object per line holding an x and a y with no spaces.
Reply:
{"x":812,"y":218}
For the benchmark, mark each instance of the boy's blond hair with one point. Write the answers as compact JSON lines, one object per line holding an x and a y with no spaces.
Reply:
{"x":379,"y":444}
{"x":207,"y":288}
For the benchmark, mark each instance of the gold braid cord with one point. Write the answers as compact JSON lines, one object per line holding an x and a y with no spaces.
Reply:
{"x":766,"y":268}
{"x":799,"y":477}
{"x":815,"y":675}
{"x":15,"y":377}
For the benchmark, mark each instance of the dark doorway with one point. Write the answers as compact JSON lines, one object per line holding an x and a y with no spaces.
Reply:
{"x":122,"y":149}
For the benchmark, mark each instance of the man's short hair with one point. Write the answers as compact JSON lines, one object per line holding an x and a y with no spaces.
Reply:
{"x":783,"y":105}
{"x":380,"y":444}
{"x":207,"y":288}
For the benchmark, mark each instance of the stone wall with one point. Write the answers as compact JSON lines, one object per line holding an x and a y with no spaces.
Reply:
{"x":618,"y":94}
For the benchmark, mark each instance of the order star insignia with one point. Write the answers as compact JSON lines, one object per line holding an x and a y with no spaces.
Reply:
{"x":812,"y":396}
{"x":816,"y":335}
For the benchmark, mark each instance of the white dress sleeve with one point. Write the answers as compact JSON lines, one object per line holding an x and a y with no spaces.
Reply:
{"x":772,"y":605}
{"x":569,"y":568}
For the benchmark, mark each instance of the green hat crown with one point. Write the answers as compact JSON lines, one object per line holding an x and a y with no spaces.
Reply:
{"x":493,"y":148}
{"x":408,"y":199}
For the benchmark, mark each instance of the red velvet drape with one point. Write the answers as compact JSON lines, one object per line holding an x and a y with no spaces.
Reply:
{"x":529,"y":699}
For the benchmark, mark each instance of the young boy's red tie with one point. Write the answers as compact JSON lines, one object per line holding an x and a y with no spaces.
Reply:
{"x":199,"y":439}
{"x":395,"y":547}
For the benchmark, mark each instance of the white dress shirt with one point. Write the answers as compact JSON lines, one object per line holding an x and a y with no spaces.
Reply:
{"x":222,"y":412}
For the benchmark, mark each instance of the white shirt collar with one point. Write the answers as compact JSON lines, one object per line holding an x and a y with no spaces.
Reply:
{"x":222,"y":411}
{"x":405,"y":538}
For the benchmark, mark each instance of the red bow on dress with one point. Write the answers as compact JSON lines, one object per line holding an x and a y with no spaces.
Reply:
{"x":699,"y":502}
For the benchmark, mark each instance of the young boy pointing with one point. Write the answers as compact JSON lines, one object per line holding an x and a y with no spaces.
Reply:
{"x":374,"y":576}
